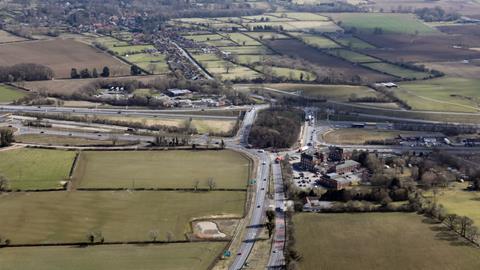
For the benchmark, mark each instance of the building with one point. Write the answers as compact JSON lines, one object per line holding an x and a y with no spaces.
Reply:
{"x":178,"y":92}
{"x":308,"y":161}
{"x":347,"y":166}
{"x":338,"y":182}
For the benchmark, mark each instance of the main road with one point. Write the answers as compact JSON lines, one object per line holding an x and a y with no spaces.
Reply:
{"x":255,"y":225}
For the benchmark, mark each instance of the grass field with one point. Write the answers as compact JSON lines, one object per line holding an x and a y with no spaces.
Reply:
{"x":9,"y":94}
{"x":53,"y":217}
{"x":291,"y":73}
{"x":132,"y":49}
{"x":63,"y":140}
{"x":68,"y":87}
{"x":118,"y":257}
{"x":316,"y":41}
{"x":352,"y":56}
{"x":379,"y":241}
{"x":334,"y":92}
{"x":442,"y":94}
{"x":353,"y":42}
{"x":162,"y":169}
{"x":457,"y":200}
{"x":242,"y":39}
{"x":61,"y":56}
{"x":266,"y":35}
{"x":301,"y":16}
{"x":35,"y":168}
{"x":360,"y":136}
{"x":388,"y":22}
{"x":397,"y":71}
{"x":246,"y":50}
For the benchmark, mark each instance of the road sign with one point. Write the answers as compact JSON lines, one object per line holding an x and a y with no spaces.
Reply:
{"x":253,"y":181}
{"x":227,"y":253}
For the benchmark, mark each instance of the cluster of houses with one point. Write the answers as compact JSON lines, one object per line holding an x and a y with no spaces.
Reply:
{"x":335,"y":168}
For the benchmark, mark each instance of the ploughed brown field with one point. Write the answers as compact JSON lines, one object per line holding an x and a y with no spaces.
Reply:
{"x":61,"y":55}
{"x":468,"y":34}
{"x":411,"y":48}
{"x":325,"y":63}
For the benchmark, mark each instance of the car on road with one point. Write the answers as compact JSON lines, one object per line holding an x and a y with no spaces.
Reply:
{"x":258,"y":206}
{"x":264,"y":163}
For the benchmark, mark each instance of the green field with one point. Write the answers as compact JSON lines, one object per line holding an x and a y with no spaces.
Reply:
{"x":145,"y":57}
{"x":379,"y":241}
{"x":353,"y":42}
{"x":52,"y":217}
{"x":117,"y":257}
{"x":162,"y":169}
{"x":132,"y":49}
{"x":65,"y":140}
{"x":457,"y":200}
{"x":316,"y":41}
{"x":388,"y":22}
{"x":320,"y":26}
{"x":35,"y":168}
{"x":334,"y":92}
{"x":242,"y":39}
{"x":292,"y":74}
{"x":397,"y":71}
{"x":301,"y":16}
{"x":110,"y":42}
{"x":352,"y":56}
{"x":247,"y":59}
{"x":9,"y":94}
{"x":442,"y":94}
{"x":246,"y":50}
{"x":266,"y":35}
{"x":203,"y":38}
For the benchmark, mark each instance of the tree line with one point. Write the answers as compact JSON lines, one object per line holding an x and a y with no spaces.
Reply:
{"x":85,"y":73}
{"x":25,"y":72}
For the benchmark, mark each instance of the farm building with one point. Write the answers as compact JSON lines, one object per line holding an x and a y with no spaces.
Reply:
{"x":178,"y":92}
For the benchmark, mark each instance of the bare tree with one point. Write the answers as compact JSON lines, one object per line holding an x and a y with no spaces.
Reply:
{"x":153,"y":234}
{"x":152,"y":68}
{"x":472,"y":233}
{"x":196,"y":183}
{"x":114,"y":139}
{"x":451,"y":221}
{"x":211,"y":183}
{"x":228,"y":66}
{"x":465,"y":224}
{"x":169,"y":236}
{"x":3,"y":183}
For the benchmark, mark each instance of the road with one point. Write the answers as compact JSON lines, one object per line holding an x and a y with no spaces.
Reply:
{"x":124,"y":112}
{"x":255,"y":225}
{"x":186,"y":55}
{"x":277,"y":258}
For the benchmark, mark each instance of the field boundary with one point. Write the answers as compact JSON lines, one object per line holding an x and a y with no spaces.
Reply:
{"x":112,"y":243}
